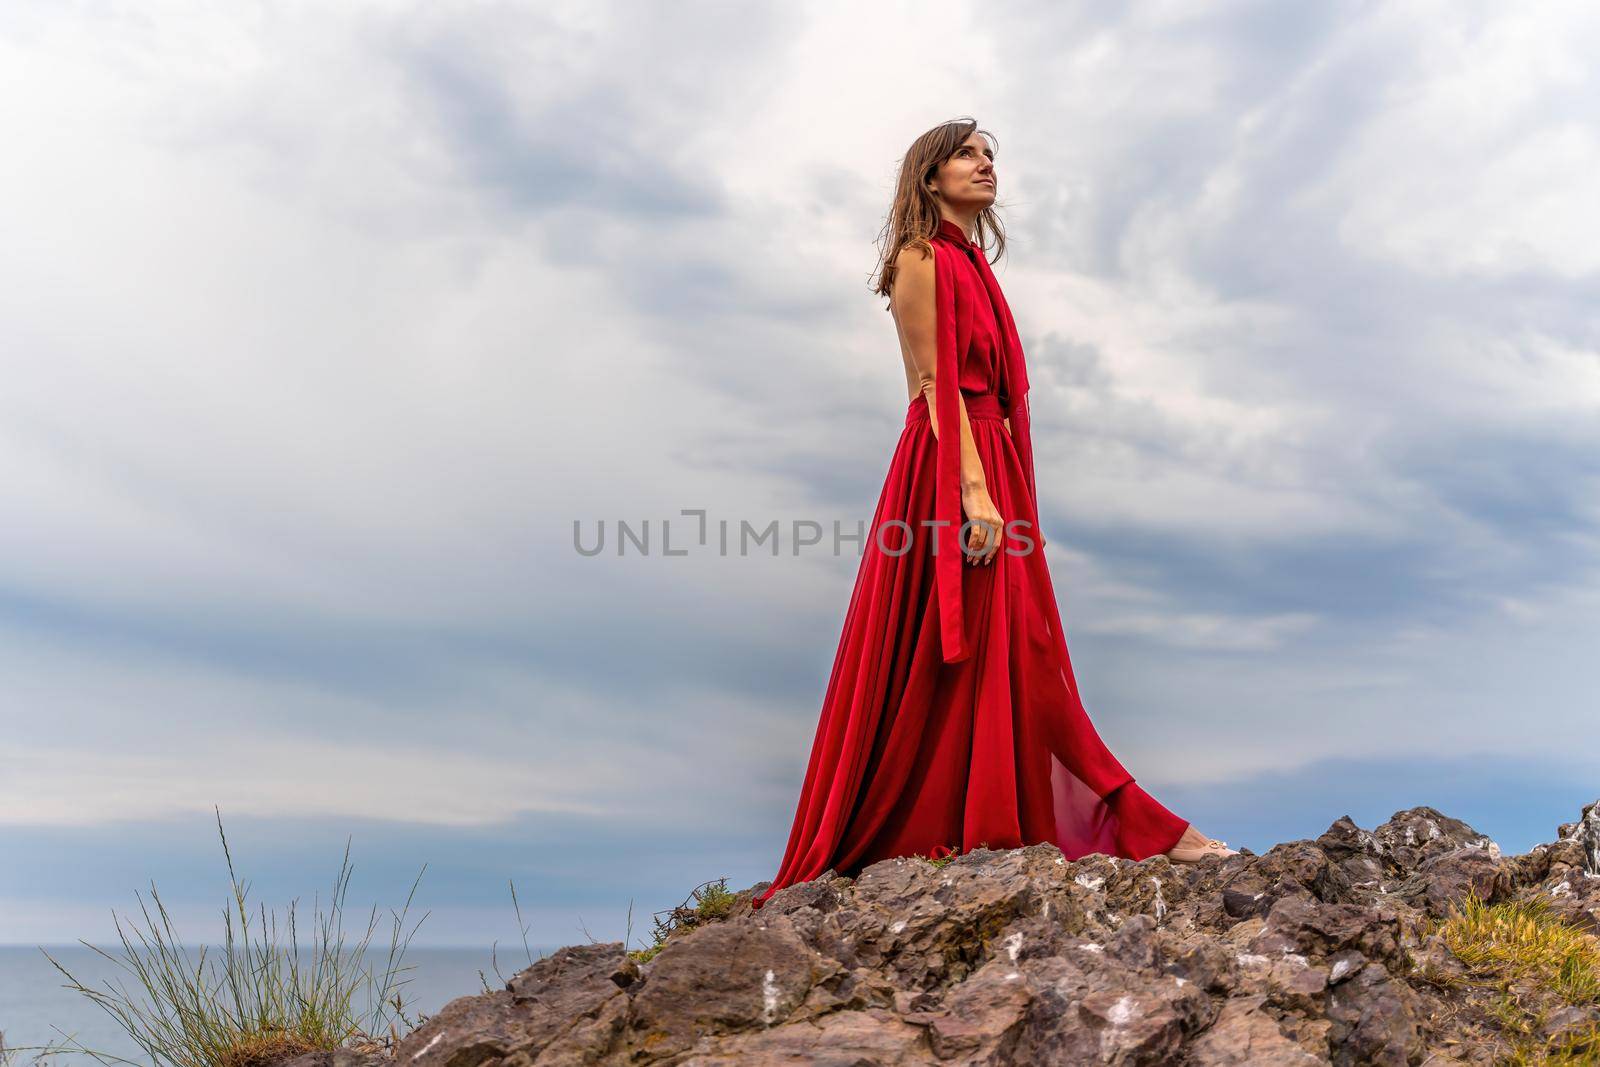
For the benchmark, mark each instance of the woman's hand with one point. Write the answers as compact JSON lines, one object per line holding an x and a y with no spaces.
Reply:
{"x":983,"y":536}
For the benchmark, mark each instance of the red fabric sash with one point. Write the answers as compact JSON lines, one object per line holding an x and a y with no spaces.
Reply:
{"x":950,"y":545}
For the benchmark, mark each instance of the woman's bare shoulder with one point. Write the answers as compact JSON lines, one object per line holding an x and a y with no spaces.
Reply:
{"x":913,"y":274}
{"x":915,"y":257}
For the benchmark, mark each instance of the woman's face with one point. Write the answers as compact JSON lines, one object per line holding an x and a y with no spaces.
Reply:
{"x":967,"y":179}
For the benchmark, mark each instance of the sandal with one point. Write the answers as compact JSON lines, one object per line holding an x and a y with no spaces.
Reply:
{"x":1212,"y":847}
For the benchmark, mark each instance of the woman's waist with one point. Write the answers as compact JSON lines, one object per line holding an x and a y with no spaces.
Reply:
{"x":979,"y":406}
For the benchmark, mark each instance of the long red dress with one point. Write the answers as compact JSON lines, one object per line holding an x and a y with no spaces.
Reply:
{"x":952,"y":718}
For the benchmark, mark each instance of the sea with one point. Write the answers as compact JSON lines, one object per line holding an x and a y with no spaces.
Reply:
{"x":38,"y":1009}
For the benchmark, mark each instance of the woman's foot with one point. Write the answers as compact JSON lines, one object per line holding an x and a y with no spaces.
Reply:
{"x":1195,"y":846}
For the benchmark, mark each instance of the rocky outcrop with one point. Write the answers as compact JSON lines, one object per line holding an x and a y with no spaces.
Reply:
{"x":1320,"y":951}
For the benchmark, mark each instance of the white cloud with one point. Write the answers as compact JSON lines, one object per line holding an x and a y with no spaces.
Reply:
{"x":319,"y":329}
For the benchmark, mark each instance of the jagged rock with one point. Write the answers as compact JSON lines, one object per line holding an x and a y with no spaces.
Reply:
{"x":843,"y":1039}
{"x":725,"y":978}
{"x":1246,"y":1036}
{"x":1585,"y":834}
{"x":1088,"y":1006}
{"x":1305,"y":926}
{"x":1320,"y":951}
{"x":1357,"y":857}
{"x":344,"y":1057}
{"x":1375,"y":1020}
{"x":1411,"y":837}
{"x":1575,"y":896}
{"x":570,"y":1003}
{"x":1444,"y":880}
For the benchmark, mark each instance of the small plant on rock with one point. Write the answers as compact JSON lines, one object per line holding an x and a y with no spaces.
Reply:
{"x":1531,"y":962}
{"x":943,"y":854}
{"x":707,"y":902}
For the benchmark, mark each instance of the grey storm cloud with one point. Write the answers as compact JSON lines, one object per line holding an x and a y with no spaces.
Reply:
{"x":325,"y":328}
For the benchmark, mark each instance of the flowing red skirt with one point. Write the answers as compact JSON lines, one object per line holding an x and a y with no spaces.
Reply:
{"x":915,"y":756}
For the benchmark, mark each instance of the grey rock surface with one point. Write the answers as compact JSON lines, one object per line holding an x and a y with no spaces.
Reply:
{"x":1320,"y":951}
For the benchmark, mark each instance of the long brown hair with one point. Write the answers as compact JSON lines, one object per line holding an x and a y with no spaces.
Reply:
{"x":914,"y":216}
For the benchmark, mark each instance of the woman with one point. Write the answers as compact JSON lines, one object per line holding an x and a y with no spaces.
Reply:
{"x":952,"y":718}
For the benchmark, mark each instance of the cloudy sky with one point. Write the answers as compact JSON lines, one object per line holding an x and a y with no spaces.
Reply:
{"x":322,"y":325}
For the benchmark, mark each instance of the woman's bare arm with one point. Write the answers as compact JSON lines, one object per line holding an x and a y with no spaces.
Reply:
{"x":915,"y":312}
{"x":915,"y":316}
